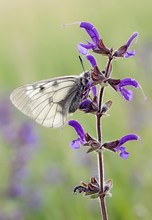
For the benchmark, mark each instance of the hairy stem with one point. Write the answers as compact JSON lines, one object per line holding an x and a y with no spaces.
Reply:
{"x":100,"y":161}
{"x":100,"y":154}
{"x":108,"y":67}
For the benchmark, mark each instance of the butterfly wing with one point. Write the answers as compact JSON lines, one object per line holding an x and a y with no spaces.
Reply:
{"x":48,"y":101}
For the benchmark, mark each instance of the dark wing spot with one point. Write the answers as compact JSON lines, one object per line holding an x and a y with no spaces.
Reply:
{"x":42,"y":88}
{"x":55,"y":83}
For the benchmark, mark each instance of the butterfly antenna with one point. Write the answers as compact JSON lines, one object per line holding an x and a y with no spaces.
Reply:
{"x":81,"y":61}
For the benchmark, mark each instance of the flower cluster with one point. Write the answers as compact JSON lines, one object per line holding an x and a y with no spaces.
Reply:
{"x":98,"y":46}
{"x":103,"y":78}
{"x":86,"y":140}
{"x":92,"y":188}
{"x":22,"y":139}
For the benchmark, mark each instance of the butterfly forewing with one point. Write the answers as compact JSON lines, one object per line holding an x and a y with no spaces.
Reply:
{"x":47,"y":101}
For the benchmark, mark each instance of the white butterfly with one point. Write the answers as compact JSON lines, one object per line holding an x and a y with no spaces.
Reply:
{"x":49,"y":102}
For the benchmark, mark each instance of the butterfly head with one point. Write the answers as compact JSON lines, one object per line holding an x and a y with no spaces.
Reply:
{"x":85,"y":76}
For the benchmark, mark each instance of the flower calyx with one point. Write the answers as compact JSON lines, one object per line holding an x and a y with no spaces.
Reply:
{"x":91,"y":189}
{"x":102,"y":49}
{"x":92,"y":143}
{"x":97,"y":76}
{"x":111,"y":145}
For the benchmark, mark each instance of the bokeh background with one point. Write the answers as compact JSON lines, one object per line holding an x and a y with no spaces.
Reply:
{"x":38,"y":169}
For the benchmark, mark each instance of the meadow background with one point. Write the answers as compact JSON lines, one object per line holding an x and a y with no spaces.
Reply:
{"x":38,"y":169}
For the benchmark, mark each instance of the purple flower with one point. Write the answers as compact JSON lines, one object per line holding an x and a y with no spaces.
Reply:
{"x":85,"y":105}
{"x":16,"y":189}
{"x":119,"y":148}
{"x":93,"y":33}
{"x":127,"y":94}
{"x":130,"y":53}
{"x":121,"y":84}
{"x":27,"y":135}
{"x":123,"y":50}
{"x":75,"y":144}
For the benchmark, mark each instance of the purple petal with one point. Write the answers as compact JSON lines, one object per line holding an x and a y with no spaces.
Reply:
{"x":134,"y":35}
{"x":76,"y":144}
{"x":87,"y":46}
{"x":78,"y":128}
{"x":94,"y":90}
{"x":132,"y":52}
{"x":123,"y":153}
{"x":27,"y":134}
{"x":82,"y":49}
{"x":128,"y":82}
{"x":87,"y":87}
{"x":128,"y":137}
{"x":85,"y":105}
{"x":127,"y":94}
{"x":129,"y":53}
{"x":92,"y":31}
{"x":92,"y":60}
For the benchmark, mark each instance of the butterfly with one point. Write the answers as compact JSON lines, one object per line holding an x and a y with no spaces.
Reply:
{"x":49,"y":102}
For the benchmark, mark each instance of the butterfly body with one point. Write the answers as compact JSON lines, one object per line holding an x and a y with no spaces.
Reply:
{"x":49,"y":102}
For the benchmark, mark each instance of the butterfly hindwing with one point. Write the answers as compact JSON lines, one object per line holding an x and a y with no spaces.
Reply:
{"x":48,"y":101}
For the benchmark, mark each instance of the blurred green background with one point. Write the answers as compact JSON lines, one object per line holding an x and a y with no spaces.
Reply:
{"x":38,"y":173}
